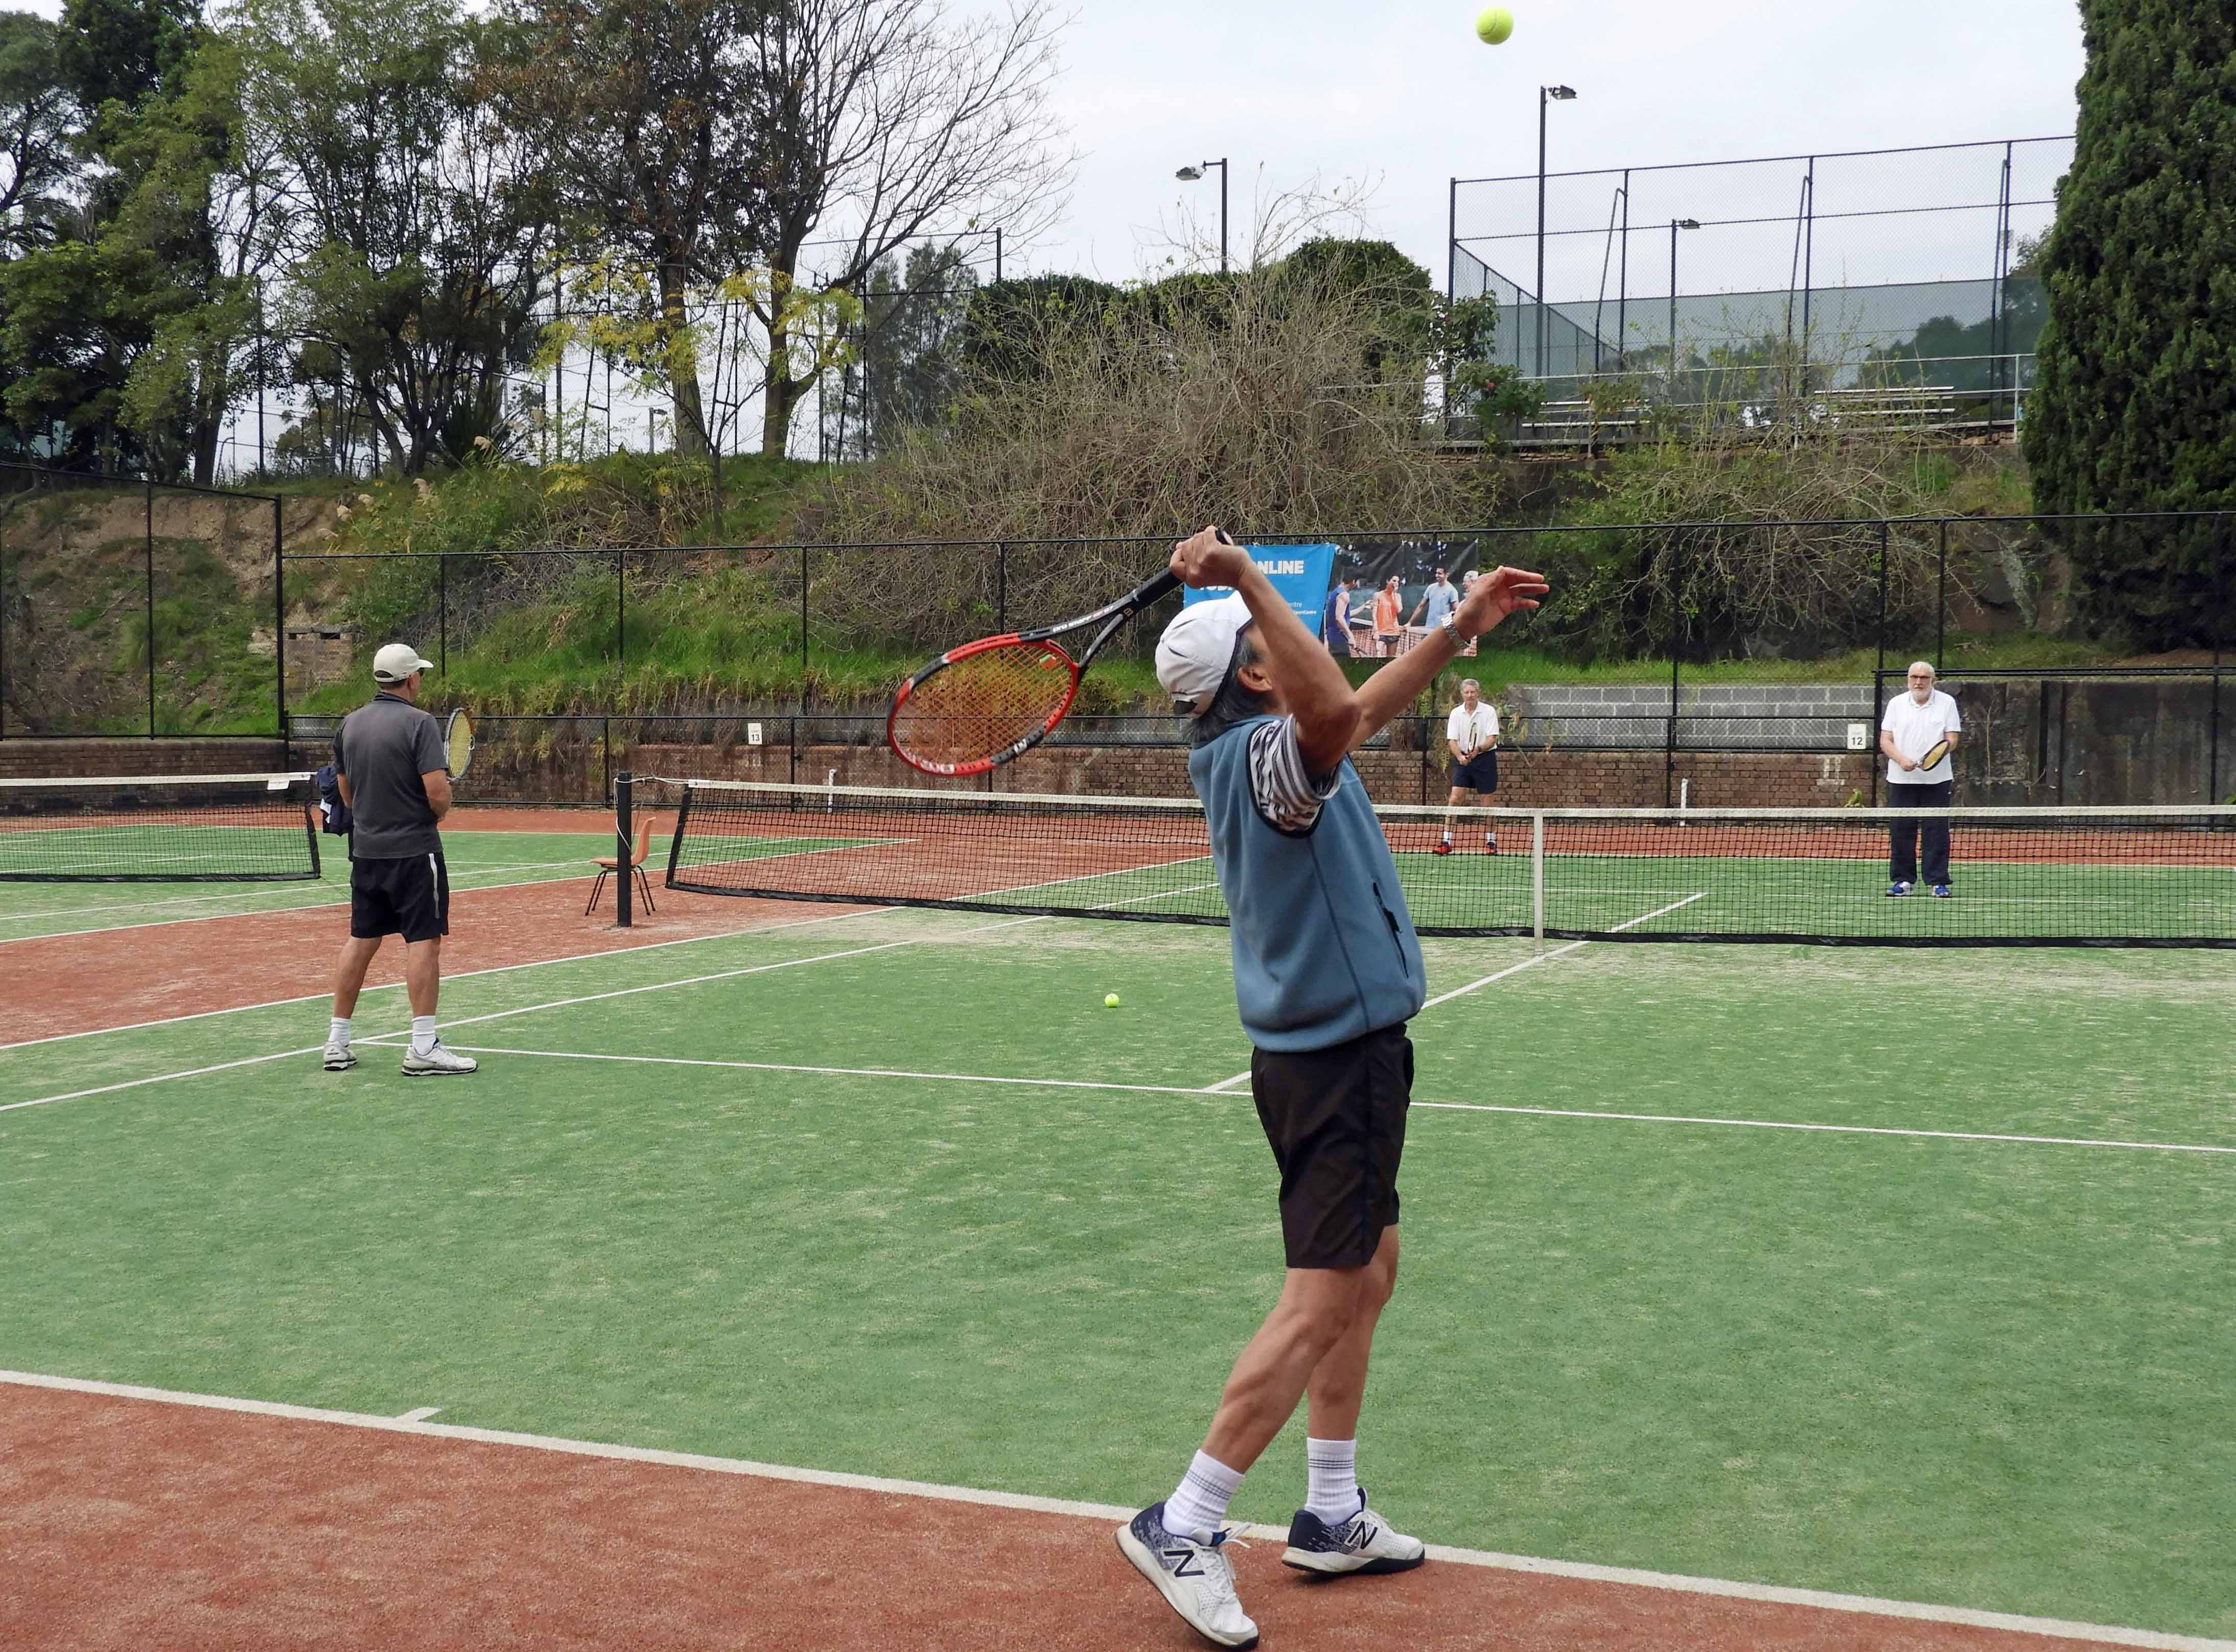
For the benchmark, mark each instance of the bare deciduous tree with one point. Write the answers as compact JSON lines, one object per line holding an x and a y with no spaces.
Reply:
{"x":886,"y":118}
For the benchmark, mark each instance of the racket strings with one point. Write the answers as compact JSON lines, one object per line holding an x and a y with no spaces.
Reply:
{"x":982,"y":705}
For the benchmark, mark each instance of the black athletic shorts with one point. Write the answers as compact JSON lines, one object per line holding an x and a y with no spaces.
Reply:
{"x":1479,"y":773}
{"x":1336,"y":1118}
{"x":409,"y":896}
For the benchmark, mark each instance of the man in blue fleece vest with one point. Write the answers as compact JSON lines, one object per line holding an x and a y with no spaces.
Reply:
{"x":1327,"y":971}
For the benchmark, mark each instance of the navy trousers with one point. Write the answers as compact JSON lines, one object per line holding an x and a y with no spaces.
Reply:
{"x":1902,"y":849}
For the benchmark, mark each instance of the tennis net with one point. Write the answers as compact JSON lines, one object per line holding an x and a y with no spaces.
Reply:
{"x":160,"y":828}
{"x":2145,"y":878}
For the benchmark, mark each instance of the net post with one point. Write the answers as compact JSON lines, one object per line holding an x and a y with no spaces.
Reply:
{"x":1537,"y":874}
{"x":624,"y":832}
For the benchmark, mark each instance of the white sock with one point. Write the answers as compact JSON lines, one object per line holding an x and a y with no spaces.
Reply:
{"x":1198,"y":1506}
{"x":338,"y":1029}
{"x":423,"y":1034}
{"x":1331,"y":1479}
{"x":1448,"y":837}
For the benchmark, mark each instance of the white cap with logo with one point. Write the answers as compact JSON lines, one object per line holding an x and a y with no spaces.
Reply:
{"x":398,"y":661}
{"x":1197,"y":650}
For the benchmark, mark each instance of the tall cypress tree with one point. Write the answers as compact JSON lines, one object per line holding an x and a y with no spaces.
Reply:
{"x":2134,"y":403}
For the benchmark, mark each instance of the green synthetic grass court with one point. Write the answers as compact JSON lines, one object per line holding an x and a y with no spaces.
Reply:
{"x":963,"y":1224}
{"x":476,"y":860}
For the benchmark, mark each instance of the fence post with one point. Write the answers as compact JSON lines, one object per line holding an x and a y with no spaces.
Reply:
{"x":148,"y":493}
{"x":1941,"y":601}
{"x":1878,"y":670}
{"x":1002,"y":586}
{"x":279,"y":628}
{"x":1676,"y":647}
{"x":4,"y":639}
{"x":443,"y":611}
{"x":624,"y":849}
{"x":620,"y":610}
{"x":803,"y":624}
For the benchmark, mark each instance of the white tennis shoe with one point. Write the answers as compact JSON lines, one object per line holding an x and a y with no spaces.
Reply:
{"x":340,"y":1058}
{"x":436,"y":1062}
{"x":1196,"y":1579}
{"x":1363,"y":1544}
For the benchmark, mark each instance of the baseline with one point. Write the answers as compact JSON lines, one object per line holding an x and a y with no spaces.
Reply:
{"x":1822,"y":1600}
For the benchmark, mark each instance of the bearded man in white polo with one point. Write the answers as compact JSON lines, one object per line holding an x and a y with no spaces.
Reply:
{"x":1920,"y":723}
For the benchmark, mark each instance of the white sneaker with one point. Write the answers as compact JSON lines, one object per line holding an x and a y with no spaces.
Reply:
{"x":1196,"y":1579}
{"x":436,"y":1062}
{"x":340,"y":1058}
{"x":1363,"y":1544}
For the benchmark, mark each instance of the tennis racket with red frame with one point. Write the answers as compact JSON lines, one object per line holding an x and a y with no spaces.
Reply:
{"x":977,"y":706}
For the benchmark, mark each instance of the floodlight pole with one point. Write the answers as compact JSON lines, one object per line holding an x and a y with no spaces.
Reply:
{"x":1190,"y":175}
{"x":1545,"y":95}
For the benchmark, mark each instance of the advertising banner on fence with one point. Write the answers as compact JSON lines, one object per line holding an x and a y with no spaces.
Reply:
{"x":1300,"y":573}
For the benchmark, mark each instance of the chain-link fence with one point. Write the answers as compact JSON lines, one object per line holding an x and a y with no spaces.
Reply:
{"x":137,"y":609}
{"x":1858,"y":290}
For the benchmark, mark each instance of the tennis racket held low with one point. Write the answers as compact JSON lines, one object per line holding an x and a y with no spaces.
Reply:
{"x":981,"y":705}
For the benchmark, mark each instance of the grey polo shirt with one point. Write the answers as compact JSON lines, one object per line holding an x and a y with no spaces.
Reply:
{"x":384,"y":747}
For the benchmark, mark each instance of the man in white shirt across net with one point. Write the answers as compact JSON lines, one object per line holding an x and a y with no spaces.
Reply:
{"x":1920,"y":723}
{"x":1472,"y":736}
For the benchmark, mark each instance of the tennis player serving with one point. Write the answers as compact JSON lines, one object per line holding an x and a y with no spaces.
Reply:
{"x":1326,"y":973}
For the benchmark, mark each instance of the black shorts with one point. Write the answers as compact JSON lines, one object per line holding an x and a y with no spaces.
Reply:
{"x":1479,"y":773}
{"x":409,"y":896}
{"x":1336,"y":1118}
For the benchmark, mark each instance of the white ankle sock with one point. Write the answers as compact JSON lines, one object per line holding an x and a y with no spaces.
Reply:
{"x":338,"y":1029}
{"x":1331,"y":1479}
{"x":1197,"y":1505}
{"x":423,"y":1034}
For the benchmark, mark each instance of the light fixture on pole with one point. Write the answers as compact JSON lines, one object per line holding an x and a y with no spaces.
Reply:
{"x":1545,"y":94}
{"x":1675,"y":224}
{"x":1190,"y":175}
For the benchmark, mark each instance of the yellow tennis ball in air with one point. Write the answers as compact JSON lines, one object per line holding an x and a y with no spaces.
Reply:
{"x":1493,"y":24}
{"x":1110,"y":1000}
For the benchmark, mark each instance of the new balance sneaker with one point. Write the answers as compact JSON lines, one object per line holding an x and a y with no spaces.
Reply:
{"x":436,"y":1062}
{"x":1942,"y":892}
{"x":1196,"y":1579}
{"x":1363,"y":1544}
{"x":1894,"y":890}
{"x":1443,"y":847}
{"x":1490,"y":842}
{"x":340,"y":1058}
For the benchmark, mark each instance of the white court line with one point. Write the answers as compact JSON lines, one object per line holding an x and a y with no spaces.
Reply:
{"x":494,"y":969}
{"x":420,"y":1415}
{"x":1621,"y":1576}
{"x":1530,"y":962}
{"x":1443,"y":1106}
{"x":251,"y":894}
{"x":846,"y":1072}
{"x":460,"y":884}
{"x":525,"y":1009}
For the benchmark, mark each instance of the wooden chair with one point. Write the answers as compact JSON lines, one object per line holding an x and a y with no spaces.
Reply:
{"x":608,"y":864}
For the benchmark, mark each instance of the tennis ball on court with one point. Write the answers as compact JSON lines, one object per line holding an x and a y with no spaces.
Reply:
{"x":1493,"y":24}
{"x":1110,"y":1000}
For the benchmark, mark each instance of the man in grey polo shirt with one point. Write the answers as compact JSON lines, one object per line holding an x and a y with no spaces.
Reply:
{"x":395,"y":779}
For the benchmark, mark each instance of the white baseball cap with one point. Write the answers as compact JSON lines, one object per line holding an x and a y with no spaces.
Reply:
{"x":1197,"y":651}
{"x":398,"y":661}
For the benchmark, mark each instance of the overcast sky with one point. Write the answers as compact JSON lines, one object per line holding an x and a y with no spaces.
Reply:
{"x":1400,"y":91}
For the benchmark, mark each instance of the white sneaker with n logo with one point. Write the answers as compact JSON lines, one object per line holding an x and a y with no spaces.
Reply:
{"x":1363,"y":1544}
{"x":436,"y":1062}
{"x":1196,"y":1579}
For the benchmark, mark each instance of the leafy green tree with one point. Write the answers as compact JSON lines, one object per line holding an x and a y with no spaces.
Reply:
{"x":37,"y":126}
{"x":908,"y":359}
{"x":646,"y":116}
{"x":417,"y":238}
{"x":121,"y":52}
{"x":2134,"y":409}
